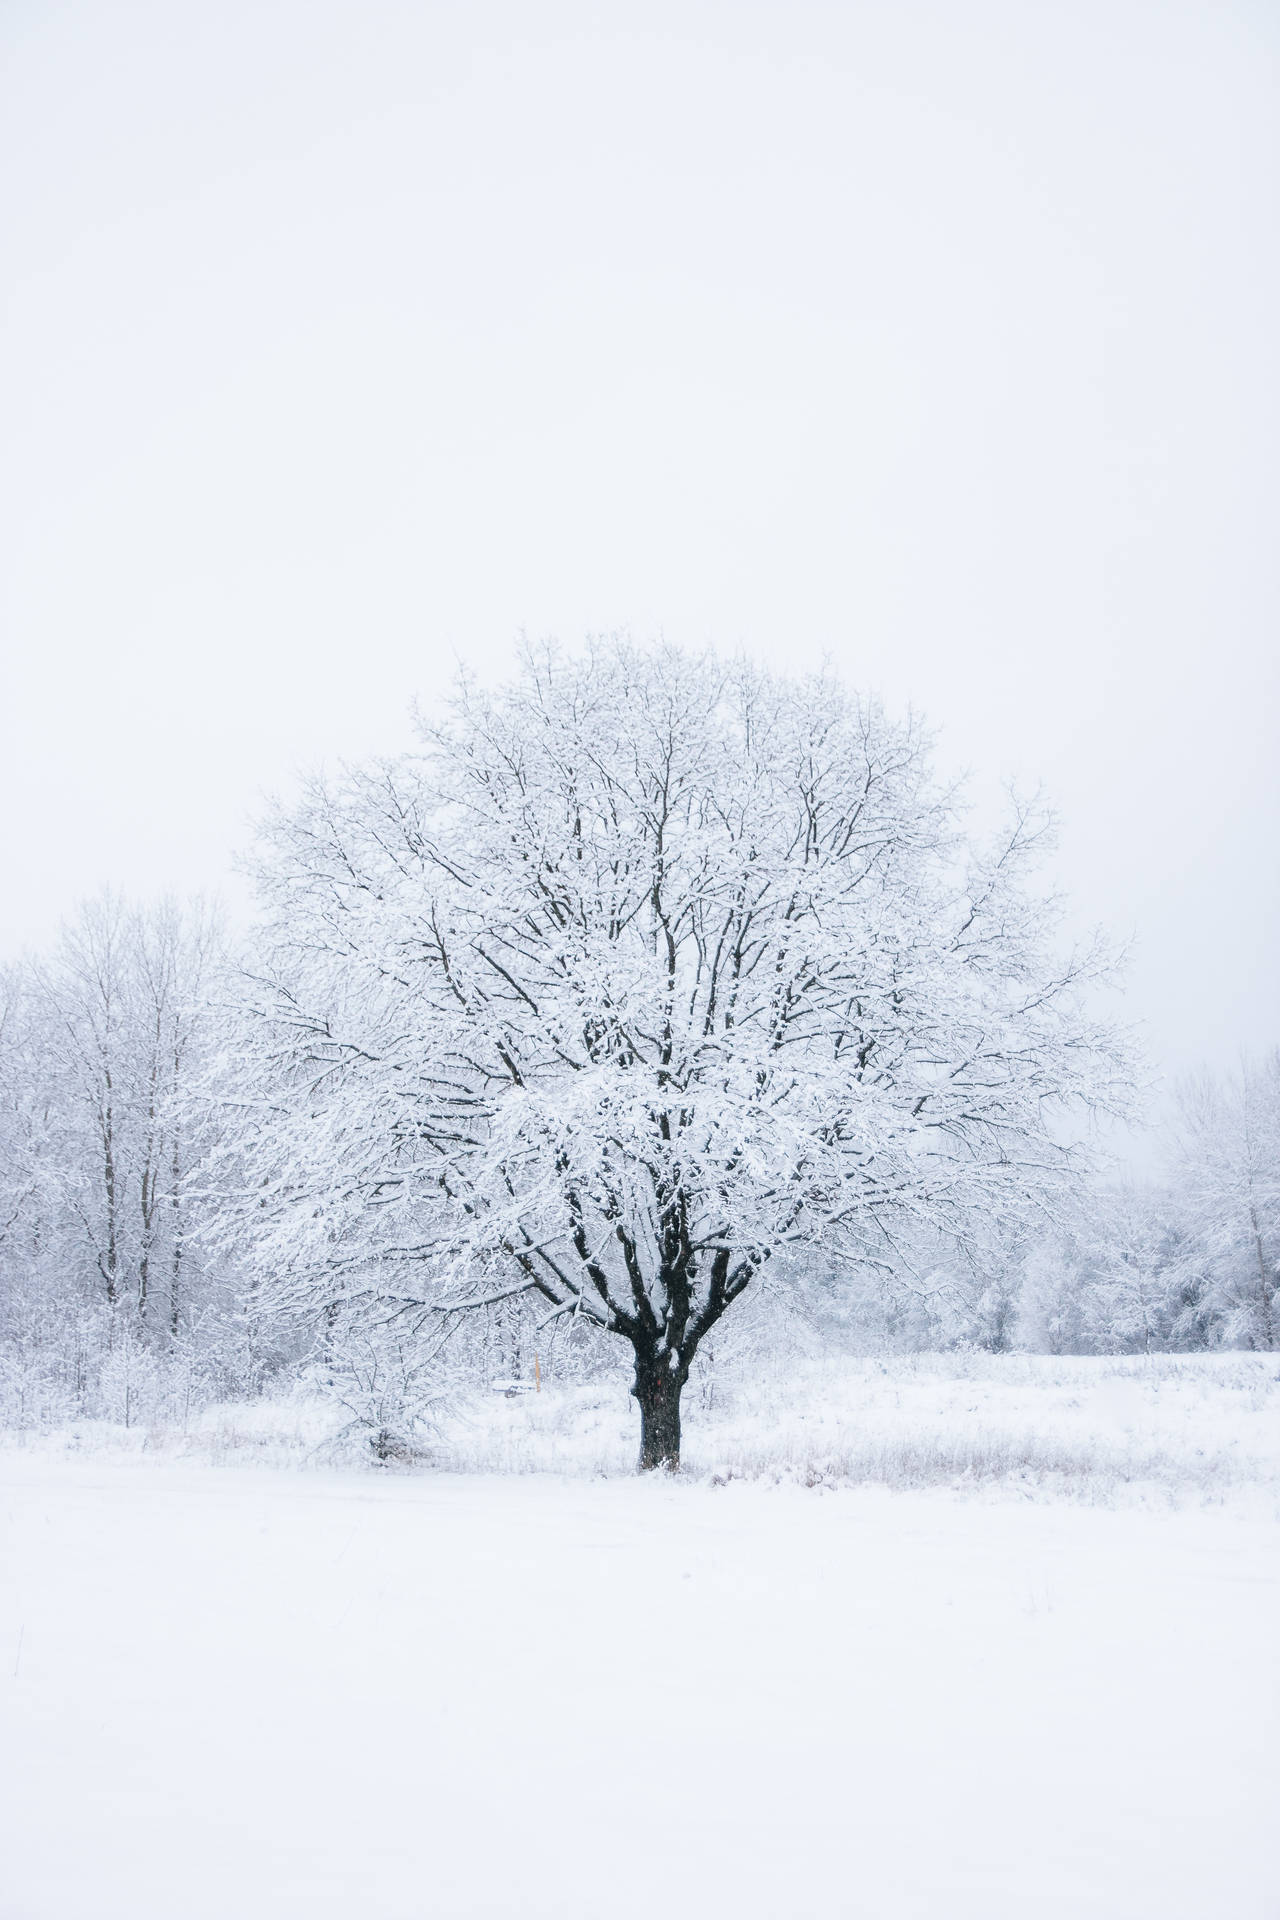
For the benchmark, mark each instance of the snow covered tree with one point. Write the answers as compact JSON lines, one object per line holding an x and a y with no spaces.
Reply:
{"x":21,"y":1117}
{"x":642,"y":971}
{"x":1052,"y":1309}
{"x":1228,"y":1178}
{"x":100,"y":1043}
{"x":1128,"y":1267}
{"x":115,"y":1014}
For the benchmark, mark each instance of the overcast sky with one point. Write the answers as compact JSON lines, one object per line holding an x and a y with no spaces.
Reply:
{"x":343,"y":340}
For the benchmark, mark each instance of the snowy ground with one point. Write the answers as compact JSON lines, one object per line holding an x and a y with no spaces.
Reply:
{"x":267,"y":1694}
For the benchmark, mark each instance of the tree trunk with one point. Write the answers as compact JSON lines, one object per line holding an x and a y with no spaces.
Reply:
{"x":657,"y":1388}
{"x":1264,"y":1284}
{"x":110,"y":1271}
{"x":175,"y":1267}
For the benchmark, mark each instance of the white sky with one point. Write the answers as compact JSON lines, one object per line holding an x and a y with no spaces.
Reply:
{"x":344,"y":339}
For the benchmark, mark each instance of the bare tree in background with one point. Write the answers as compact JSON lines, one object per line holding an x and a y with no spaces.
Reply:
{"x":82,"y":999}
{"x":1228,"y":1162}
{"x":100,"y":1044}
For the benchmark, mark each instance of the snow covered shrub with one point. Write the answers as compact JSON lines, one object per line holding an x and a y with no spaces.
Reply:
{"x":390,"y":1379}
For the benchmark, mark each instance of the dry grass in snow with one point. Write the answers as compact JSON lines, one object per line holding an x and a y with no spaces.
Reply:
{"x":1203,"y":1427}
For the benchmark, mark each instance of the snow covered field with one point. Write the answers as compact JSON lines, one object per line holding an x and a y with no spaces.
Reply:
{"x":252,"y":1691}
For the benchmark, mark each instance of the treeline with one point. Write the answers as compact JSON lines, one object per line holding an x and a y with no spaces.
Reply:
{"x":1184,"y":1263}
{"x":126,"y":1295}
{"x":112,"y":1306}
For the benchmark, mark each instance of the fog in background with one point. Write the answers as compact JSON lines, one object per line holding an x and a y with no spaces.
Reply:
{"x":346,"y":341}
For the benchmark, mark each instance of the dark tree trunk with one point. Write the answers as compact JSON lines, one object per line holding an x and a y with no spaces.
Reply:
{"x":110,"y":1270}
{"x":175,"y":1267}
{"x":1264,"y":1283}
{"x":659,"y":1381}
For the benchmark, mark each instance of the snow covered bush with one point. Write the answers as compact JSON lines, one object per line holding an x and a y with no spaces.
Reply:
{"x":391,"y":1379}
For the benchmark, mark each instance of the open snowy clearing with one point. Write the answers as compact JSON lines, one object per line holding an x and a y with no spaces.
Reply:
{"x":248,"y":1693}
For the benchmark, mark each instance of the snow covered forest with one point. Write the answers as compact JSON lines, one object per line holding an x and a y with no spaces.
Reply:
{"x":654,"y":1022}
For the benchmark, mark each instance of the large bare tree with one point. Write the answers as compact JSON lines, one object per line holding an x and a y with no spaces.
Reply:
{"x":643,"y":971}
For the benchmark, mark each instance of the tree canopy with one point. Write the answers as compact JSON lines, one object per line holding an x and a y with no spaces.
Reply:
{"x":641,"y":972}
